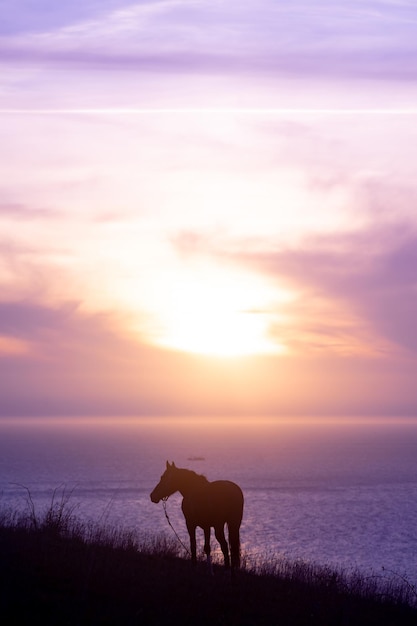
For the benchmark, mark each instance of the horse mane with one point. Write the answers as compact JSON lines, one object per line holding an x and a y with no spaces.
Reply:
{"x":197,"y":478}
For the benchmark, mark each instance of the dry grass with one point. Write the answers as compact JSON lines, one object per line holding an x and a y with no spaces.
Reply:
{"x":57,"y":569}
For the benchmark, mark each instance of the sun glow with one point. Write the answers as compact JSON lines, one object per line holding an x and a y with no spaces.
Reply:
{"x":218,"y":312}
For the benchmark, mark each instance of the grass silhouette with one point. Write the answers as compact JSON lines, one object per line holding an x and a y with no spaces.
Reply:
{"x":57,"y":569}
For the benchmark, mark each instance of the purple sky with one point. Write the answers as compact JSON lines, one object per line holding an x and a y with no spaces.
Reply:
{"x":208,"y":207}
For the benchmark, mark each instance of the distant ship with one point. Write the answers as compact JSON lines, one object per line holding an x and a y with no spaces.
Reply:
{"x":196,"y":458}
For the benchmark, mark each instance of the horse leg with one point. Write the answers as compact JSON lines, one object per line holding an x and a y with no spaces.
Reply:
{"x":193,"y":544}
{"x":234,"y":541}
{"x":207,"y":548}
{"x":219,"y":532}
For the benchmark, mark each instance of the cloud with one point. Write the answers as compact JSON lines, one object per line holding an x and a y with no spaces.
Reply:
{"x":330,"y":40}
{"x":75,"y":362}
{"x":394,"y":65}
{"x":353,"y":292}
{"x":25,"y":16}
{"x":353,"y":281}
{"x":30,"y":320}
{"x":15,"y":211}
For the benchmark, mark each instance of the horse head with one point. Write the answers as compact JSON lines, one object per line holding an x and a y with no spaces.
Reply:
{"x":167,"y":485}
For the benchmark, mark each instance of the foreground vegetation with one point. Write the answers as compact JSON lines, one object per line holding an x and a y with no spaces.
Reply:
{"x":56,"y":569}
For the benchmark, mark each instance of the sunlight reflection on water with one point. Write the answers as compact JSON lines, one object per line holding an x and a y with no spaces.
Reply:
{"x":332,"y":493}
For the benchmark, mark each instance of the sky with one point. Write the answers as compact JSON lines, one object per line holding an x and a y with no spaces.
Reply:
{"x":208,"y":208}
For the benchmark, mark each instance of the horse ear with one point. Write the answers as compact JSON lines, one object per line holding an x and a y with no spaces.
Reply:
{"x":173,"y":464}
{"x":168,"y":466}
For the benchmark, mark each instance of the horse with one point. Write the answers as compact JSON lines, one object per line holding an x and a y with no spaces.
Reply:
{"x":206,"y":504}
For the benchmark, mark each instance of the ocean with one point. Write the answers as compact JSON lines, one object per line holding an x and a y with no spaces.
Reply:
{"x":340,"y":493}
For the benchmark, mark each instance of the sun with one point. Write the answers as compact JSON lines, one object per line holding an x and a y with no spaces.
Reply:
{"x":217,"y":312}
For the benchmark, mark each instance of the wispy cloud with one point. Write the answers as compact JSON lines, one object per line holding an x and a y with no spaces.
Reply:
{"x":21,"y":16}
{"x":358,"y":284}
{"x":30,"y":320}
{"x":368,"y":39}
{"x":353,"y":292}
{"x":16,"y":211}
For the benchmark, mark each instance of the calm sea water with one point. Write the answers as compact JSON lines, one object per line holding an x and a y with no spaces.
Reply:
{"x":340,"y":493}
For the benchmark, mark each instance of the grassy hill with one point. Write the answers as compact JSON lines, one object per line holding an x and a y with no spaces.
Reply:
{"x":58,"y":570}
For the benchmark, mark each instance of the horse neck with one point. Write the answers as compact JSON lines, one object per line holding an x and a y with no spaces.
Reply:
{"x":189,"y":482}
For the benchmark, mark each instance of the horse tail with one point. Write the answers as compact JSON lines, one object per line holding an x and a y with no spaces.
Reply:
{"x":234,"y":541}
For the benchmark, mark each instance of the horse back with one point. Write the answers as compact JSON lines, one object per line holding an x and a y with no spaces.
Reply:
{"x":221,"y":501}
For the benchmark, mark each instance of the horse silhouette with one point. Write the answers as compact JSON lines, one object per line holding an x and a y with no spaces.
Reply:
{"x":206,"y":504}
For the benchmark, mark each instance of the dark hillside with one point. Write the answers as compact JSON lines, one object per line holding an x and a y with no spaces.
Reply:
{"x":77,"y":576}
{"x":55,"y":569}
